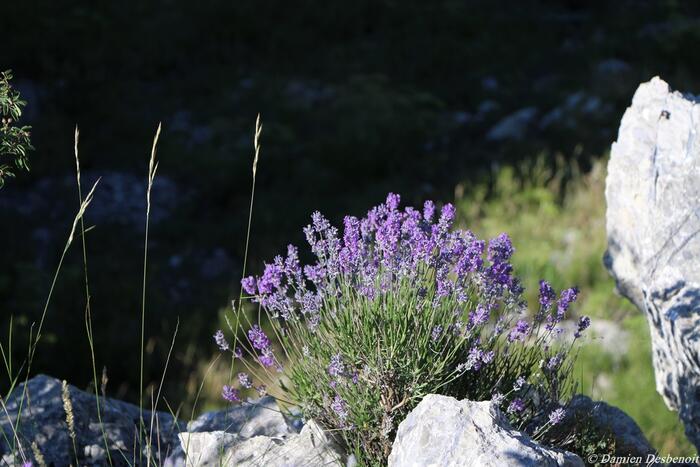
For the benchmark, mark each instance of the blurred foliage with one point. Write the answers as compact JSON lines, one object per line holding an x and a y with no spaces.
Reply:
{"x":14,"y":140}
{"x":555,"y":215}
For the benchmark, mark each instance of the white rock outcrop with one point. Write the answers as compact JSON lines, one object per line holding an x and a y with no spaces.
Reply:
{"x":442,"y":431}
{"x":310,"y":447}
{"x":653,"y":226}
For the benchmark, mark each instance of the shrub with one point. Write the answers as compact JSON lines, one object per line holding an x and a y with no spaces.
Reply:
{"x":14,"y":140}
{"x":400,"y":307}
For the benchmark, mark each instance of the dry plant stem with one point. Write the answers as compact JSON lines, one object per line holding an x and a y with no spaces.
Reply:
{"x":196,"y":399}
{"x":70,"y":419}
{"x":152,"y":167}
{"x":88,"y":310}
{"x":154,"y":404}
{"x":35,"y":341}
{"x":14,"y":430}
{"x":256,"y":146}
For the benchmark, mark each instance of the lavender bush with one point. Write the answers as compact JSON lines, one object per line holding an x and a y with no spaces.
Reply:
{"x":398,"y":307}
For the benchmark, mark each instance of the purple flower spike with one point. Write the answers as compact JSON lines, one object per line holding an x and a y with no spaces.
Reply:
{"x":245,"y":381}
{"x":258,"y":338}
{"x":480,"y":315}
{"x":249,"y":285}
{"x":428,"y":211}
{"x":500,"y":249}
{"x":340,"y":407}
{"x":566,"y":298}
{"x":517,"y":406}
{"x":230,"y":394}
{"x":221,"y":341}
{"x":392,"y":201}
{"x":556,"y":416}
{"x":519,"y":332}
{"x":436,"y":333}
{"x":547,"y":295}
{"x":267,"y":358}
{"x":336,"y":367}
{"x":583,"y":323}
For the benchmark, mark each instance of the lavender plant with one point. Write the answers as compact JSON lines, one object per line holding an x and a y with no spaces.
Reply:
{"x":397,"y":307}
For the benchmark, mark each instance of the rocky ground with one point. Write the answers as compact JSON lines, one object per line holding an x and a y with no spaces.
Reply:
{"x":439,"y":431}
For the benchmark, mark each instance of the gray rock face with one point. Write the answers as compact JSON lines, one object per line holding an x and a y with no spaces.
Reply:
{"x":446,"y":432}
{"x":43,"y":421}
{"x":311,"y":447}
{"x":252,"y":433}
{"x":255,"y":418}
{"x":629,"y":439}
{"x":653,"y":221}
{"x":514,"y":126}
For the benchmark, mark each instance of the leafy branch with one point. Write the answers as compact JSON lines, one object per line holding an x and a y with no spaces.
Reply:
{"x":15,"y":140}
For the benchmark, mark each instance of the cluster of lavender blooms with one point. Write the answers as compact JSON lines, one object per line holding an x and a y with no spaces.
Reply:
{"x":372,"y":262}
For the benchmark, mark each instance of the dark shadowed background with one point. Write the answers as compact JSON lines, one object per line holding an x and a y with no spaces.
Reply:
{"x":357,"y":99}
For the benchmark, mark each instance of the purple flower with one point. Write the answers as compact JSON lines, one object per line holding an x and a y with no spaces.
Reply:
{"x":261,"y":390}
{"x":499,"y":273}
{"x":238,"y":352}
{"x":249,"y":285}
{"x":547,"y":294}
{"x":392,"y":201}
{"x":271,"y":279}
{"x":471,"y":259}
{"x":497,"y":398}
{"x":475,"y":359}
{"x":336,"y":367}
{"x":554,"y":362}
{"x":519,"y":383}
{"x":340,"y":407}
{"x":267,"y":358}
{"x":428,"y":211}
{"x":516,"y":406}
{"x":315,"y":274}
{"x":221,"y":340}
{"x":519,"y":332}
{"x":436,"y":333}
{"x":556,"y":416}
{"x":500,"y":249}
{"x":258,"y":338}
{"x":480,"y":315}
{"x":583,"y":323}
{"x":27,"y":464}
{"x":245,"y":381}
{"x":230,"y":394}
{"x":447,"y":216}
{"x":566,"y":298}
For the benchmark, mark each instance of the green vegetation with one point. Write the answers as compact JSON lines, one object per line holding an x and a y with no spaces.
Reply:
{"x":556,"y":218}
{"x":14,"y":139}
{"x":361,"y":98}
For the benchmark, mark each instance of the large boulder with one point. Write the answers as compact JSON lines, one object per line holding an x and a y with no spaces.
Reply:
{"x":628,"y":437}
{"x":653,"y":221}
{"x":311,"y":447}
{"x":41,"y":419}
{"x":252,"y":433}
{"x":444,"y":431}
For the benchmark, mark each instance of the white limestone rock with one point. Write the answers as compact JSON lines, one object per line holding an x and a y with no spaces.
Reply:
{"x":311,"y":447}
{"x":442,"y":431}
{"x":653,"y":222}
